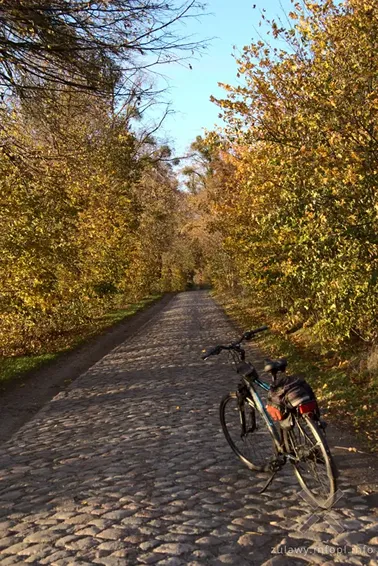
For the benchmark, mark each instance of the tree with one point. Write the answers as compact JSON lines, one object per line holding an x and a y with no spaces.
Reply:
{"x":301,"y":221}
{"x":88,"y":214}
{"x":88,"y":44}
{"x":89,"y":200}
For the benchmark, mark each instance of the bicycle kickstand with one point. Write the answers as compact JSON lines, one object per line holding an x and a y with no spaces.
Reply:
{"x":274,"y":467}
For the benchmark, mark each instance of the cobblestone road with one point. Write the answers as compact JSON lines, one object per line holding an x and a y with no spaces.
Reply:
{"x":129,"y":466}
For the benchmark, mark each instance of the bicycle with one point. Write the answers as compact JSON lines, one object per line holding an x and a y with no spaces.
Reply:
{"x":299,"y":438}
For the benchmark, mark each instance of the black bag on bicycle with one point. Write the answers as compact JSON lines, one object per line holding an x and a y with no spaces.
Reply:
{"x":289,"y":393}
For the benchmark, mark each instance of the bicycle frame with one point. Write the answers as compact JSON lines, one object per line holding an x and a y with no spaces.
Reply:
{"x":257,"y":402}
{"x":274,"y":431}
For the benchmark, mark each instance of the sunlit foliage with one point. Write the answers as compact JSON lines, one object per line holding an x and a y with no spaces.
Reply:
{"x":300,"y":219}
{"x":89,"y":201}
{"x":87,"y":214}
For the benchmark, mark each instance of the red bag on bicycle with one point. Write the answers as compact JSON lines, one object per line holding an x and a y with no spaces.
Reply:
{"x":290,"y":392}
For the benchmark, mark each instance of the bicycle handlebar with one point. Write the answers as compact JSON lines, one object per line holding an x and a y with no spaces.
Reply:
{"x":216,"y":350}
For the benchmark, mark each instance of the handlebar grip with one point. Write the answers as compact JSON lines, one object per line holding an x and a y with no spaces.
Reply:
{"x":261,"y":329}
{"x":248,"y":335}
{"x":211,"y":352}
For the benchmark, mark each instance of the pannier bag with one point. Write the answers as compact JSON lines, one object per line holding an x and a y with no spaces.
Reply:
{"x":288,"y":393}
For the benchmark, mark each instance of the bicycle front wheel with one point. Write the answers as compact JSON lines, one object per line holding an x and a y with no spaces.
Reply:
{"x":313,"y":464}
{"x":246,"y":432}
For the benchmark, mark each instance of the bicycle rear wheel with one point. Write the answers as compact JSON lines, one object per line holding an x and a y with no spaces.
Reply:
{"x":246,"y":432}
{"x":314,"y":466}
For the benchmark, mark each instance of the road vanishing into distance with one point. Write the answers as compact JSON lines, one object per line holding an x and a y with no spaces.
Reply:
{"x":129,"y":465}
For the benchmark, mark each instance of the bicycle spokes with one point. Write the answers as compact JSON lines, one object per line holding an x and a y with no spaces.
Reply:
{"x":312,"y":461}
{"x":245,"y":431}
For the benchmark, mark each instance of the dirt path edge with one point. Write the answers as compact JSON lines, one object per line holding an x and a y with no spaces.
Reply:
{"x":19,"y":403}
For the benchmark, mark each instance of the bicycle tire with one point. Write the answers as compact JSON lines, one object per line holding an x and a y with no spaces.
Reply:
{"x":315,"y":468}
{"x":248,"y":446}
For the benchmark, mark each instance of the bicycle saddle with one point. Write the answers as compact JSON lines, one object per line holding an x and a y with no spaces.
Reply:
{"x":275,"y":365}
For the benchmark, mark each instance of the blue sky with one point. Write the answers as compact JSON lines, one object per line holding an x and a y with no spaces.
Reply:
{"x":230,"y":22}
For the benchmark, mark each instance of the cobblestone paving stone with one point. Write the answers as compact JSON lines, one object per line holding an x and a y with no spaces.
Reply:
{"x":129,"y":466}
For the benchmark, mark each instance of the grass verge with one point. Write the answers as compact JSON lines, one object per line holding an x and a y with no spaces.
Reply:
{"x":14,"y":368}
{"x":347,"y":392}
